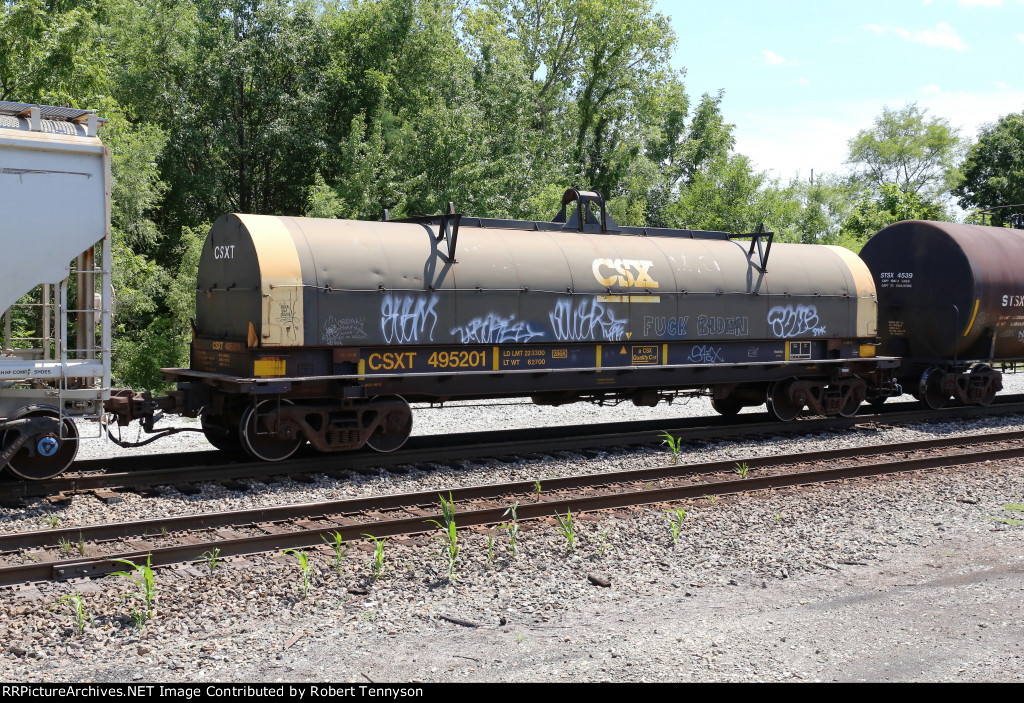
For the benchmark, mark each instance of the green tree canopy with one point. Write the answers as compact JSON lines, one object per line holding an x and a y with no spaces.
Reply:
{"x":906,"y":147}
{"x":729,"y":195}
{"x":51,"y":52}
{"x":874,"y":212}
{"x":994,"y":169}
{"x":233,"y":83}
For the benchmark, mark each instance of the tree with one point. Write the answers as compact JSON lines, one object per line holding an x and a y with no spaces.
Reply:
{"x":624,"y":52}
{"x":493,"y":104}
{"x":823,"y":205}
{"x":891,"y":204}
{"x":729,"y":195}
{"x":406,"y":130}
{"x":605,"y":108}
{"x":708,"y":139}
{"x":234,"y":84}
{"x":50,"y":52}
{"x":545,"y":37}
{"x":906,"y":147}
{"x":994,"y":168}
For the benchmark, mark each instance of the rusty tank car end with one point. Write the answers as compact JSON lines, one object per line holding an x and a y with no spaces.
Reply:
{"x":951,"y":305}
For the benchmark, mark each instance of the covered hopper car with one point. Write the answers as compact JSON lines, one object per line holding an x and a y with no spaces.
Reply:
{"x":55,"y":328}
{"x":324,"y":330}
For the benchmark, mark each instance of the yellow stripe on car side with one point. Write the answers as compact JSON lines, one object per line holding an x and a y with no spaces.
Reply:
{"x":974,"y":316}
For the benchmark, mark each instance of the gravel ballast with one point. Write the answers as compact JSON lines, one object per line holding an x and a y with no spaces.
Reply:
{"x":914,"y":577}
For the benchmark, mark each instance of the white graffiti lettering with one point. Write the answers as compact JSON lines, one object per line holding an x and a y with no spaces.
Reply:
{"x":708,"y":326}
{"x":403,"y":318}
{"x":587,"y":319}
{"x":706,"y":354}
{"x":792,"y":321}
{"x":494,"y":329}
{"x":337,"y":331}
{"x":665,"y":326}
{"x":699,"y":264}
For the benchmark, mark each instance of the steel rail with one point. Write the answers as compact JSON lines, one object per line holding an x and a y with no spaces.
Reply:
{"x":333,"y":514}
{"x":443,"y":448}
{"x":153,"y":527}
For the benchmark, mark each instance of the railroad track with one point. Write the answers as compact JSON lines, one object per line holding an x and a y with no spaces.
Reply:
{"x":184,"y":469}
{"x":51,"y":554}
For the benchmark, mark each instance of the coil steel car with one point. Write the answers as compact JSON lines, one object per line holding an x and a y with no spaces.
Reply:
{"x":324,"y":330}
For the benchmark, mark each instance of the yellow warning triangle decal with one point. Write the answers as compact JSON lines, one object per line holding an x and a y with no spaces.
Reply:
{"x":622,"y":351}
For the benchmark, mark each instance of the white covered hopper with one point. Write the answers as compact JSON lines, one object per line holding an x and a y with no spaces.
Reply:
{"x":54,"y":187}
{"x":54,"y":343}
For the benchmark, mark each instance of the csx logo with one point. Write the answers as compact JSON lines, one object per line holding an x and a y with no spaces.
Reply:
{"x":391,"y":361}
{"x":224,"y":252}
{"x":624,"y":268}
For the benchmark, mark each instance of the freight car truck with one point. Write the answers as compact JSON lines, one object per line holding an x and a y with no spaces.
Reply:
{"x":55,"y":286}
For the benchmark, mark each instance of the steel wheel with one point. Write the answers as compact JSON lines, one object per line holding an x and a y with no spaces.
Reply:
{"x":991,"y":395}
{"x":395,"y":427}
{"x":257,"y":438}
{"x":877,"y":401}
{"x":220,"y":432}
{"x":726,"y":406}
{"x":780,"y":406}
{"x":44,"y":454}
{"x":931,"y":389}
{"x":850,"y":408}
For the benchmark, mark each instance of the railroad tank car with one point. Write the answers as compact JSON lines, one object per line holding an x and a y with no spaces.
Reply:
{"x":950,"y":304}
{"x":324,"y":330}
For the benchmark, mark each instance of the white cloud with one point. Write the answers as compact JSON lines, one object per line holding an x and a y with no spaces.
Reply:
{"x":1020,"y":37}
{"x":980,"y":3}
{"x":969,"y":110}
{"x":931,"y":89}
{"x":773,"y":59}
{"x":943,"y":36}
{"x":815,"y":135}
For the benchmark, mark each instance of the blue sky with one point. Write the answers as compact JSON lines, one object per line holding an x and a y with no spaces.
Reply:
{"x":802,"y":77}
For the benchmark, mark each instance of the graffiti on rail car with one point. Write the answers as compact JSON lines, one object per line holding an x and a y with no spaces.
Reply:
{"x":587,"y":319}
{"x":408,"y":318}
